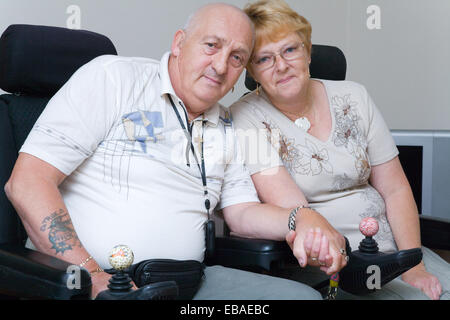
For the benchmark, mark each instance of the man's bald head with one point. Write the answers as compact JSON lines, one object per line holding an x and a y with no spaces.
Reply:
{"x":215,"y":8}
{"x":208,"y":56}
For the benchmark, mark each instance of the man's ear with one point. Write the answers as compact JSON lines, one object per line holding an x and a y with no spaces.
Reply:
{"x":177,"y":42}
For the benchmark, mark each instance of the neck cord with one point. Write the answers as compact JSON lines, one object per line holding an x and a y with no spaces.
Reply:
{"x":188,"y":133}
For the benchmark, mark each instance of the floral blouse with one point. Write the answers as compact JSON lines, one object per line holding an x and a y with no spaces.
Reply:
{"x":333,"y":174}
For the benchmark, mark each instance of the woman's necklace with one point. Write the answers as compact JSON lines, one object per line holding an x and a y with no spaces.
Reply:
{"x":300,"y":120}
{"x":303,"y":122}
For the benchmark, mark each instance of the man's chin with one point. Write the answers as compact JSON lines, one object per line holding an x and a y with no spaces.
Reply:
{"x":200,"y":103}
{"x":210,"y":96}
{"x":211,"y":101}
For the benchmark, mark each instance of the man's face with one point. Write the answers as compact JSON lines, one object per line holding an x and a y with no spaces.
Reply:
{"x":210,"y":57}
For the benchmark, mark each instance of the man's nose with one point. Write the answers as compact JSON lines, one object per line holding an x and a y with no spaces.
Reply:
{"x":220,"y":62}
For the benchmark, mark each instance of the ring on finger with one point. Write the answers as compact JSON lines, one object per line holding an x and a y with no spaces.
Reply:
{"x":342,"y":251}
{"x":322,"y":263}
{"x":314,"y":259}
{"x":347,"y":258}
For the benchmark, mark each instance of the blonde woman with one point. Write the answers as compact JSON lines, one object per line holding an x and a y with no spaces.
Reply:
{"x":333,"y":150}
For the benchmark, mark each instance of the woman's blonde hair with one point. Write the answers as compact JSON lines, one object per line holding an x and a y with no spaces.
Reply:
{"x":274,"y":19}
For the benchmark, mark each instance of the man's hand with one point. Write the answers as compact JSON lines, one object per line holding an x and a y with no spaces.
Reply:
{"x":100,"y":282}
{"x":420,"y":278}
{"x":317,"y":243}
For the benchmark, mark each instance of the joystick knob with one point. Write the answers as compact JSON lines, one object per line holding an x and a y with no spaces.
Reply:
{"x":121,"y":257}
{"x":368,"y":227}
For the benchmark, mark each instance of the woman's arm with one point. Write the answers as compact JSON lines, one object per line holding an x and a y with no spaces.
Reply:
{"x":401,"y":210}
{"x":276,"y":186}
{"x":390,"y":181}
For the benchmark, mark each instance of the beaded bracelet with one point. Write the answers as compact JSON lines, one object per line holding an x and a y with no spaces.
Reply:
{"x":85,"y":261}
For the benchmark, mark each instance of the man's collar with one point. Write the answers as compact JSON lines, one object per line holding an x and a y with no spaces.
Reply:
{"x":166,"y":85}
{"x":211,"y":115}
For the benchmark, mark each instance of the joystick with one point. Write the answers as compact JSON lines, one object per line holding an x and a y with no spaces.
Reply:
{"x":354,"y":277}
{"x":121,"y":258}
{"x":369,"y":228}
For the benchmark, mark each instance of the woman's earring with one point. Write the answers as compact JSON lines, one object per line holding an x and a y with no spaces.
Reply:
{"x":232,"y":89}
{"x":257,"y":89}
{"x":309,"y":70}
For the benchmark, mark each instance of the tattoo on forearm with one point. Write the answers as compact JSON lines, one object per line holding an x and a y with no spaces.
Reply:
{"x":61,"y":234}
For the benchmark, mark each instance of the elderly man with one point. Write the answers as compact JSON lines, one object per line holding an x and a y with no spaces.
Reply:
{"x":134,"y":151}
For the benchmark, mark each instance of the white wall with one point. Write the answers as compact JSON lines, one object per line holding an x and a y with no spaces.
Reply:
{"x":405,"y":64}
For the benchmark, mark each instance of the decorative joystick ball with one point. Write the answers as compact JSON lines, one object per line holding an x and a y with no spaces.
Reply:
{"x":368,"y":227}
{"x":121,"y":257}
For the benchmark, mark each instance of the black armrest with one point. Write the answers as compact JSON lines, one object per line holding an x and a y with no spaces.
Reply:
{"x":236,"y":252}
{"x":435,"y":232}
{"x":30,"y":274}
{"x":249,"y":254}
{"x":232,"y":251}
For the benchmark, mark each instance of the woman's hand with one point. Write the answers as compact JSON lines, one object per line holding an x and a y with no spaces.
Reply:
{"x":317,"y":243}
{"x":316,"y":249}
{"x":420,"y":278}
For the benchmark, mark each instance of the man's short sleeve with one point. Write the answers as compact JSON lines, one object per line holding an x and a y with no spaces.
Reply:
{"x":237,"y":186}
{"x":76,"y":119}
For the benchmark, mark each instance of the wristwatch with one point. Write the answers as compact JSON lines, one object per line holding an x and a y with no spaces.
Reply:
{"x":292,"y":216}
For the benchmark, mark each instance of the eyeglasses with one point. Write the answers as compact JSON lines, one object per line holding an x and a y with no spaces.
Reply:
{"x":267,"y":60}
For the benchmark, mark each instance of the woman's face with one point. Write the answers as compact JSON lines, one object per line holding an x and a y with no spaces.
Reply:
{"x":284,"y":80}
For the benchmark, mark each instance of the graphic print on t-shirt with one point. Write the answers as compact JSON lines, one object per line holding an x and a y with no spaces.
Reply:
{"x":147,"y":119}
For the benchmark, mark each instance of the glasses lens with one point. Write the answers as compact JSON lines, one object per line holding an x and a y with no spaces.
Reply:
{"x":263,"y":62}
{"x":293,"y":52}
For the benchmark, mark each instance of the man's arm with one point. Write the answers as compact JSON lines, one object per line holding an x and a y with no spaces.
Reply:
{"x":33,"y":191}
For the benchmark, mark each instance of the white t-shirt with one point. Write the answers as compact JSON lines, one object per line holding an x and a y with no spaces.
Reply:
{"x":333,"y":174}
{"x":112,"y":130}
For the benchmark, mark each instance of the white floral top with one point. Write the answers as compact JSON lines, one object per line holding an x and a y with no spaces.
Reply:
{"x":333,"y":174}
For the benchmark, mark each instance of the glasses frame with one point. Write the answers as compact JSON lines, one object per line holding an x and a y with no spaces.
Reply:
{"x":274,"y":55}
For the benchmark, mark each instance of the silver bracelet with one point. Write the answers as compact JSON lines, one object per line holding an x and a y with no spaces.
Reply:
{"x":292,"y":216}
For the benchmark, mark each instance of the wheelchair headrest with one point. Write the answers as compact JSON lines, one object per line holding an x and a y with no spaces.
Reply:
{"x":38,"y":60}
{"x":327,"y":63}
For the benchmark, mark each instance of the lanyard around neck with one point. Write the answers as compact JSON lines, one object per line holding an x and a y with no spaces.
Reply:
{"x":188,"y":133}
